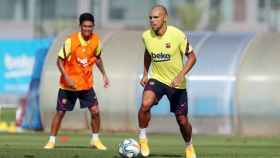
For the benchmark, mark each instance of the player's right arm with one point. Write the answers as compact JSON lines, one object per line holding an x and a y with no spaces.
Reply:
{"x":185,"y":48}
{"x":63,"y":54}
{"x":147,"y":63}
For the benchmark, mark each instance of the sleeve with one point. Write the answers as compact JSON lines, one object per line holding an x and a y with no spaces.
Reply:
{"x":144,"y":41}
{"x":184,"y":43}
{"x":99,"y":48}
{"x":65,"y":50}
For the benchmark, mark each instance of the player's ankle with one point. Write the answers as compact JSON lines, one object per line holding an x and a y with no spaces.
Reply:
{"x":95,"y":136}
{"x":142,"y":133}
{"x":189,"y":143}
{"x":52,"y":139}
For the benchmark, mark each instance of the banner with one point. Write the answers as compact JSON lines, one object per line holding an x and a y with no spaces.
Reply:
{"x":17,"y":59}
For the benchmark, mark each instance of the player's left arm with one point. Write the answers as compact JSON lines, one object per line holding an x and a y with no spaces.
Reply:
{"x":100,"y":66}
{"x":189,"y":53}
{"x":191,"y":60}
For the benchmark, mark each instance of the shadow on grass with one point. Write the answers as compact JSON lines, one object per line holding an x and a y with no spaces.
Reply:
{"x":154,"y":155}
{"x":165,"y":155}
{"x":74,"y":147}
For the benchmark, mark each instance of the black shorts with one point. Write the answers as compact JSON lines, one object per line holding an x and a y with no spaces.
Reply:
{"x":66,"y":99}
{"x":178,"y":98}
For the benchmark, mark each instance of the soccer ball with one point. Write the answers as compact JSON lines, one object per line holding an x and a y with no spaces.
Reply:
{"x":129,"y":148}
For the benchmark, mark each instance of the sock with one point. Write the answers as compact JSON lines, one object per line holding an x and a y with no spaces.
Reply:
{"x":189,"y":143}
{"x":95,"y":136}
{"x":52,"y":139}
{"x":142,"y":133}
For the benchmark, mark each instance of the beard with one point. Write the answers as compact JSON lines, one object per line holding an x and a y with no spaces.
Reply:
{"x":157,"y":29}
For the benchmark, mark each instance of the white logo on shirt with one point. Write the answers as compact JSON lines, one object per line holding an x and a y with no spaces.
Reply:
{"x":83,"y":62}
{"x":160,"y":57}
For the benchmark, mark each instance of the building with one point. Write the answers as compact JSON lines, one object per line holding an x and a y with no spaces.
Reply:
{"x":38,"y":18}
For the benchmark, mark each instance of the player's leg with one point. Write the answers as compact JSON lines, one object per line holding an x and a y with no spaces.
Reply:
{"x":55,"y":125}
{"x":89,"y":100}
{"x":56,"y":122}
{"x":144,"y":113}
{"x":95,"y":126}
{"x":95,"y":119}
{"x":185,"y":128}
{"x":65,"y":102}
{"x":186,"y":132}
{"x":152,"y":93}
{"x":144,"y":117}
{"x":179,"y":105}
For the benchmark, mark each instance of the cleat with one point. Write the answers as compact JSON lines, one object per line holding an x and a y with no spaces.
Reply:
{"x":144,"y":147}
{"x":97,"y":144}
{"x":49,"y":145}
{"x":190,"y":152}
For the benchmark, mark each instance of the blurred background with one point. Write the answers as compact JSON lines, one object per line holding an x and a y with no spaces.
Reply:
{"x":41,"y":18}
{"x":232,"y":89}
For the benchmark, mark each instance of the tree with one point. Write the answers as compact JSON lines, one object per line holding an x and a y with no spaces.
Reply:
{"x":190,"y":15}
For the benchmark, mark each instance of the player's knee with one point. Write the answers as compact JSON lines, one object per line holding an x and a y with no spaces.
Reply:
{"x":94,"y":110}
{"x":146,"y":105}
{"x":60,"y":113}
{"x":182,"y":120}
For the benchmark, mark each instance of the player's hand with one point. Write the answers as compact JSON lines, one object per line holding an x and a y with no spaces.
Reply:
{"x":70,"y":83}
{"x":106,"y":81}
{"x":144,"y":80}
{"x":177,"y":81}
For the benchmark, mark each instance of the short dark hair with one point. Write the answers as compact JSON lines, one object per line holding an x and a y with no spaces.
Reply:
{"x":161,"y":7}
{"x":86,"y":17}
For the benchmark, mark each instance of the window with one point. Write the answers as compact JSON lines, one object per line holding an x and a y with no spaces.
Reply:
{"x":95,"y":8}
{"x":13,"y":9}
{"x":7,"y":8}
{"x":239,"y":10}
{"x":66,"y":9}
{"x":56,"y":9}
{"x":131,"y":11}
{"x":275,"y":4}
{"x":261,"y":10}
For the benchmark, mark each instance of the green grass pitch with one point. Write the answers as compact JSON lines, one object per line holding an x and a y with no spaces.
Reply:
{"x":30,"y":145}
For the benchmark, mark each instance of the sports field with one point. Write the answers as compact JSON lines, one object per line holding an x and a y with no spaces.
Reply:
{"x":75,"y":145}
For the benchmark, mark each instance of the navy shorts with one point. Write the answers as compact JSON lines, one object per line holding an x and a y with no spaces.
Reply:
{"x":178,"y":98}
{"x":66,"y":99}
